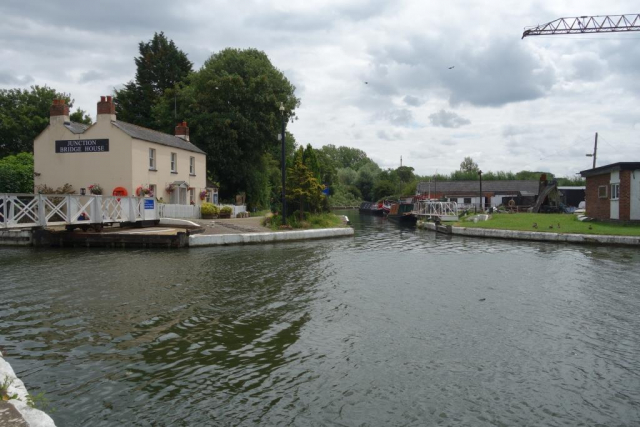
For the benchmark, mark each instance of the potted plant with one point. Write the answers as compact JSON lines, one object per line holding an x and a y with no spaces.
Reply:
{"x":95,"y":189}
{"x":225,"y":212}
{"x":203,"y":194}
{"x":209,"y":210}
{"x":143,"y":191}
{"x":170,"y":188}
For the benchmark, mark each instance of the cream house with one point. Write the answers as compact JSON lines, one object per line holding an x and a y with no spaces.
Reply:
{"x":122,"y":158}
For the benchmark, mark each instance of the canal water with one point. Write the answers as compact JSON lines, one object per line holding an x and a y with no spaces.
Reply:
{"x":396,"y":326}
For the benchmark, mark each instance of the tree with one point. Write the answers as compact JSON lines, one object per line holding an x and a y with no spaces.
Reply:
{"x":347,"y":176}
{"x":366,"y":179}
{"x":16,"y":173}
{"x":405,"y":173}
{"x":468,"y":165}
{"x":160,"y":66}
{"x":303,"y":189}
{"x":81,"y":116}
{"x":24,"y":113}
{"x":232,"y":107}
{"x":382,"y":189}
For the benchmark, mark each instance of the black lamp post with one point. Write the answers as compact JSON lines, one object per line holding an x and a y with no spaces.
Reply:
{"x":284,"y":171}
{"x":480,"y":200}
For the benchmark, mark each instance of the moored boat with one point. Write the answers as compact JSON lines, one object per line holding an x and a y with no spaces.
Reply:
{"x":401,"y":212}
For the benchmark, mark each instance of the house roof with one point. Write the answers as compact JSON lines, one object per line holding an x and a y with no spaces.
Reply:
{"x":76,"y":127}
{"x":139,"y":132}
{"x":524,"y":187}
{"x":620,"y":166}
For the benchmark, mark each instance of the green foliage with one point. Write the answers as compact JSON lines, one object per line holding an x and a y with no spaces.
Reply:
{"x":80,"y":116}
{"x":383,"y":189}
{"x":4,"y":389}
{"x":468,"y":165}
{"x":16,"y":173}
{"x":347,"y":176}
{"x":346,"y":157}
{"x":24,"y":113}
{"x":160,"y":66}
{"x":311,"y":161}
{"x":209,"y":209}
{"x":410,"y":188}
{"x":345,"y":196}
{"x":226,"y":210}
{"x":304,"y":192}
{"x":232,"y":107}
{"x":405,"y":174}
{"x":366,"y":179}
{"x":309,"y":221}
{"x":39,"y":401}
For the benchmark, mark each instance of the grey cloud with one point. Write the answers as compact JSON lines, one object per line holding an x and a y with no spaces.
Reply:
{"x":91,"y":75}
{"x":448,"y":142}
{"x":513,"y":130}
{"x":398,"y":117}
{"x":448,"y":119}
{"x":6,"y":78}
{"x":502,"y":72}
{"x":413,"y":101}
{"x":382,"y":134}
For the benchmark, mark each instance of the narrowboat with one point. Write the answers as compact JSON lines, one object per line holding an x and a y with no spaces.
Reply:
{"x":401,"y":212}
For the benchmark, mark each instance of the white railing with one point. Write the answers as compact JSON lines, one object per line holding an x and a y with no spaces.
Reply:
{"x":446,"y":211}
{"x":42,"y":210}
{"x":178,"y":211}
{"x":236,"y":209}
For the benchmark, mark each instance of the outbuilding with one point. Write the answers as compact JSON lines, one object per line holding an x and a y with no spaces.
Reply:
{"x":117,"y":158}
{"x":613,"y":192}
{"x":494,"y":193}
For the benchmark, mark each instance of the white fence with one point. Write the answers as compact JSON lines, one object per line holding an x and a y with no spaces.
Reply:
{"x":179,"y":211}
{"x":41,"y":210}
{"x":446,"y":211}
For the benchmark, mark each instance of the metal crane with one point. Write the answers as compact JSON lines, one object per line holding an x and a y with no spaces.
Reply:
{"x":587,"y":25}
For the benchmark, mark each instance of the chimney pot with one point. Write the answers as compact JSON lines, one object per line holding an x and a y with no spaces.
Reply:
{"x":106,"y":106}
{"x":58,"y":111}
{"x":102,"y":99}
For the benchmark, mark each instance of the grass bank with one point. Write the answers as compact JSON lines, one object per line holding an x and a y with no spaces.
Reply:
{"x":551,"y":223}
{"x":311,"y":221}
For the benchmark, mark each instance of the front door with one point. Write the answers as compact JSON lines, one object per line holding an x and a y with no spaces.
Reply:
{"x":614,"y":195}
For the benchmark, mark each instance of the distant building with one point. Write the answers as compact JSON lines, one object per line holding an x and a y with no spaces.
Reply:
{"x":494,"y":193}
{"x":613,"y":191}
{"x":120,"y":157}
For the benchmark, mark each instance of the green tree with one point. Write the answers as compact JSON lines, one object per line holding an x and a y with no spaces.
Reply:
{"x":347,"y":176}
{"x":382,"y":189}
{"x":16,"y":173}
{"x":160,"y":66}
{"x":232,"y":107}
{"x":303,"y":189}
{"x":81,"y":116}
{"x":366,"y":179}
{"x":24,"y":113}
{"x":311,"y":161}
{"x":468,"y":165}
{"x":405,"y":174}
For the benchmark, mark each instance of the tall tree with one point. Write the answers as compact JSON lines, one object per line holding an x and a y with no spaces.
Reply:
{"x":16,"y":173}
{"x":160,"y":66}
{"x":232,"y":107}
{"x":468,"y":165}
{"x":304,"y":192}
{"x":24,"y":113}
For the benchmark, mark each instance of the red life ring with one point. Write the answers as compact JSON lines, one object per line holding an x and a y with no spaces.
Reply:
{"x":120,"y":191}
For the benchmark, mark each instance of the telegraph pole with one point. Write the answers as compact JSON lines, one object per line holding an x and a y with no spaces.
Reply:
{"x":595,"y":151}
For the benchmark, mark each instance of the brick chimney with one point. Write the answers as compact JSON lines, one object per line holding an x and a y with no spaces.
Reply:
{"x":182,"y":131}
{"x":59,"y":112}
{"x":106,"y":109}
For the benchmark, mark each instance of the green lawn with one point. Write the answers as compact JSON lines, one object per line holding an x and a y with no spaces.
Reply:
{"x":313,"y":221}
{"x":561,"y":223}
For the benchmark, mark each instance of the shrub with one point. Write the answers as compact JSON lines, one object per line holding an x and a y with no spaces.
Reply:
{"x":226,"y":210}
{"x":209,"y":209}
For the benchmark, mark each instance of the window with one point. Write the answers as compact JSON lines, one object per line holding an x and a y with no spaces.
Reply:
{"x":152,"y":190}
{"x":192,"y":165}
{"x":174,"y":162}
{"x":602,"y":192}
{"x":615,"y":191}
{"x":152,"y":159}
{"x":192,"y":196}
{"x":467,"y":200}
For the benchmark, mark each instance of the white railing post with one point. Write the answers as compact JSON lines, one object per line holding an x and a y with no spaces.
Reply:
{"x":42,"y":212}
{"x":96,"y":210}
{"x":132,"y":209}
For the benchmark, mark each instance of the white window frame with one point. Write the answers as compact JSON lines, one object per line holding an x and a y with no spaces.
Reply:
{"x":192,"y":196}
{"x":600,"y":195}
{"x":615,"y":191}
{"x":192,"y":166}
{"x":174,"y":162}
{"x":154,"y":190}
{"x":152,"y":159}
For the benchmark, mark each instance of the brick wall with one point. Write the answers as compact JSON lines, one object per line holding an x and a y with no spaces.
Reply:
{"x":596,"y":207}
{"x":625,"y":195}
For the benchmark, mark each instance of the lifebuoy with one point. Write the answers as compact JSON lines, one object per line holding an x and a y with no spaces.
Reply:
{"x":120,"y":191}
{"x":512,"y":203}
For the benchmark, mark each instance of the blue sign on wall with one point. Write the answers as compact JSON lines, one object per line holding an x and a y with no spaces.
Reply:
{"x":148,"y":203}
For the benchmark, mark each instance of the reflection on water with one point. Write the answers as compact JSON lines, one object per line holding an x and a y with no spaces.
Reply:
{"x":396,"y":326}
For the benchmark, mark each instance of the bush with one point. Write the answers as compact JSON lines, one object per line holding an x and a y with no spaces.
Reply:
{"x":226,"y":210}
{"x":209,"y":209}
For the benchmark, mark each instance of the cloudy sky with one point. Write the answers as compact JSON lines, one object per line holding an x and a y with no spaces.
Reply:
{"x":373,"y":74}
